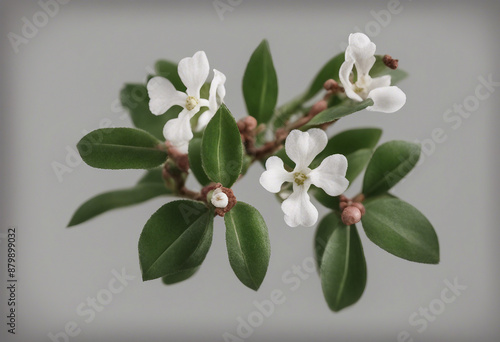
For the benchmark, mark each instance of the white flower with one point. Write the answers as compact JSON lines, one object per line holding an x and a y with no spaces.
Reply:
{"x":302,"y":148}
{"x":215,"y":99}
{"x":361,"y":53}
{"x":219,"y":199}
{"x":193,"y":71}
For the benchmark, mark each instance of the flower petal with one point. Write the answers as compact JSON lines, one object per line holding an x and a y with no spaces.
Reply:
{"x":217,"y":90}
{"x":303,"y":147}
{"x":217,"y":93}
{"x":387,"y":99}
{"x":204,"y":119}
{"x":193,"y":72}
{"x":330,"y":175}
{"x":298,"y":208}
{"x":163,"y":95}
{"x":344,"y":74}
{"x":379,"y":82}
{"x":178,"y":131}
{"x":362,"y":50}
{"x":275,"y":175}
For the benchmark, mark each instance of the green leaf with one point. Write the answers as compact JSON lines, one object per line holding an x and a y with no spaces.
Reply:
{"x":149,"y":186}
{"x":390,"y":163}
{"x":179,"y":276}
{"x":326,"y":200}
{"x":248,"y":244}
{"x":324,"y":231}
{"x":350,"y":141}
{"x":168,"y":70}
{"x":153,"y":176}
{"x":329,"y":71}
{"x":343,"y":268}
{"x":400,"y":229}
{"x":117,"y":199}
{"x":221,"y":148}
{"x":356,"y":162}
{"x":260,"y":84}
{"x":135,"y":98}
{"x":337,"y":112}
{"x":121,"y":148}
{"x":195,"y":162}
{"x":176,"y":238}
{"x":380,"y":69}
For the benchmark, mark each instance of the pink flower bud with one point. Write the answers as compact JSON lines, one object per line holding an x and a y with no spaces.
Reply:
{"x":351,"y":215}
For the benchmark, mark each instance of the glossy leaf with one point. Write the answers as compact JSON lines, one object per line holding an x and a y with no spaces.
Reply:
{"x":195,"y":162}
{"x":326,"y":200}
{"x":338,"y":111}
{"x":222,"y":149}
{"x":350,"y":141}
{"x":153,"y":176}
{"x":323,"y":233}
{"x":343,"y":268}
{"x":329,"y":71}
{"x":390,"y":163}
{"x":401,"y":229}
{"x":176,"y":238}
{"x":149,"y":186}
{"x":260,"y":84}
{"x":248,"y":244}
{"x":179,"y":276}
{"x":121,"y":148}
{"x":134,"y":97}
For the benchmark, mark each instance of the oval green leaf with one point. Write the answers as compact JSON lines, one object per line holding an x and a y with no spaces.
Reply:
{"x":149,"y":186}
{"x":334,"y":113}
{"x":179,"y":276}
{"x":222,"y":149}
{"x":248,"y":244}
{"x":400,"y":229}
{"x":350,"y":141}
{"x":134,"y":97}
{"x":343,"y":268}
{"x":176,"y":238}
{"x":329,"y":71}
{"x":390,"y":163}
{"x":195,"y":162}
{"x":121,"y":148}
{"x":116,"y":199}
{"x":326,"y":227}
{"x":260,"y":84}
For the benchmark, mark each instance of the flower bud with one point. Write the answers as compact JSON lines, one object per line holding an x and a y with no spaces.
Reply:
{"x":250,"y":123}
{"x":360,"y":206}
{"x":219,"y":199}
{"x":351,"y":215}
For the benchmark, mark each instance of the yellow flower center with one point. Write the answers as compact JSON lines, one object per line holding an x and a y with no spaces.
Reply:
{"x":299,"y":178}
{"x":357,"y":89}
{"x":191,"y":102}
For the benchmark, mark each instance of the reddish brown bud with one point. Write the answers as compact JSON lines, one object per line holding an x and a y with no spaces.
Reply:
{"x":360,"y":206}
{"x":241,"y":125}
{"x":343,"y":205}
{"x":329,"y":84}
{"x":351,"y":215}
{"x":389,"y":62}
{"x":250,"y":123}
{"x":343,"y":198}
{"x":318,"y":107}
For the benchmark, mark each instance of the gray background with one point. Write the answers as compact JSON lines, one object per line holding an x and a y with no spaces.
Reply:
{"x":67,"y":79}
